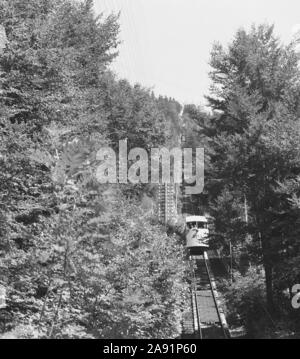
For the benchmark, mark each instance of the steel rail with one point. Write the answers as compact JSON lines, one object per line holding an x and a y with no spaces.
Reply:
{"x":225,"y":331}
{"x":196,"y":303}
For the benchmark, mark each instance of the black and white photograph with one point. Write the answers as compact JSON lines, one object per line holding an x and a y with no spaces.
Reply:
{"x":149,"y":173}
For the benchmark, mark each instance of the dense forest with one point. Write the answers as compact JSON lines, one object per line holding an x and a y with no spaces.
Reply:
{"x":81,"y":259}
{"x":77,"y":258}
{"x":252,"y":178}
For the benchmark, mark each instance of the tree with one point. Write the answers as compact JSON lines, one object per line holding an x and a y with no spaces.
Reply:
{"x":256,"y":143}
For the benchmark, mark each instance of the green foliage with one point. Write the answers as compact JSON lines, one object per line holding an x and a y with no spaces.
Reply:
{"x":77,"y":259}
{"x":134,"y":115}
{"x":246,"y":303}
{"x":254,"y":150}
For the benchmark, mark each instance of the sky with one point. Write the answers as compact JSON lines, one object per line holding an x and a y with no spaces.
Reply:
{"x":166,"y":44}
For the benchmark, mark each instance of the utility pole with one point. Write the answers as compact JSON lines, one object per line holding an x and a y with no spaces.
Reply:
{"x":231,"y":262}
{"x":246,"y":209}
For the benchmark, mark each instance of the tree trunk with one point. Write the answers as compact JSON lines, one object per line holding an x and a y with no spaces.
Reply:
{"x":269,"y":286}
{"x":268,"y":272}
{"x":246,"y":209}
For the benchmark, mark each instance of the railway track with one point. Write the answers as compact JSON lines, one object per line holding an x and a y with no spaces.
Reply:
{"x":207,"y":317}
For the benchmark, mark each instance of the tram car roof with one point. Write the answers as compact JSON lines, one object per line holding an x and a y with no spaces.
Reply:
{"x":189,"y":219}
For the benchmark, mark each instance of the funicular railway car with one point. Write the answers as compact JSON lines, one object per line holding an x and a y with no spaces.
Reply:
{"x":196,"y":234}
